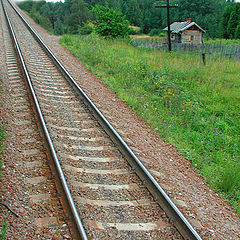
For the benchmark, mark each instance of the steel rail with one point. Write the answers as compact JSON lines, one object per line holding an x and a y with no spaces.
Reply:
{"x":177,"y":218}
{"x":80,"y":232}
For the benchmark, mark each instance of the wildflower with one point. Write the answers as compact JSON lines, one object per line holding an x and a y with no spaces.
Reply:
{"x":195,"y":164}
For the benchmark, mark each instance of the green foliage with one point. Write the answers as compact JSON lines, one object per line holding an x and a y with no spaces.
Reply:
{"x":26,"y":5}
{"x":85,"y":30}
{"x":49,"y":10}
{"x":3,"y":231}
{"x":132,"y":31}
{"x":237,"y":32}
{"x":206,"y":13}
{"x":31,"y":5}
{"x":133,"y":12}
{"x":197,"y":109}
{"x":156,"y":32}
{"x":110,"y":22}
{"x":75,"y":13}
{"x":230,"y":21}
{"x":223,"y":41}
{"x":58,"y":27}
{"x":41,"y":20}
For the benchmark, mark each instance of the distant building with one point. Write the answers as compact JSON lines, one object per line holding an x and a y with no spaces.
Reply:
{"x":186,"y":32}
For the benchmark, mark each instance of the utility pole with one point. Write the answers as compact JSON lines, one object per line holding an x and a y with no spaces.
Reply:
{"x":169,"y":30}
{"x":168,"y":21}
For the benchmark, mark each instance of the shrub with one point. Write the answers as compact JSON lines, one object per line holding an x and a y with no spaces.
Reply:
{"x":237,"y":32}
{"x":58,"y":27}
{"x":132,"y":31}
{"x":110,"y":22}
{"x":41,"y":20}
{"x":155,"y":32}
{"x":85,"y":30}
{"x":3,"y":231}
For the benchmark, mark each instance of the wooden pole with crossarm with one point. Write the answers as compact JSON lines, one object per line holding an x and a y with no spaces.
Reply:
{"x":168,"y":21}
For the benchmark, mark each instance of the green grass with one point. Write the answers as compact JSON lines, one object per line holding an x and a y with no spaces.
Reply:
{"x":3,"y":231}
{"x":196,"y":108}
{"x":223,"y":41}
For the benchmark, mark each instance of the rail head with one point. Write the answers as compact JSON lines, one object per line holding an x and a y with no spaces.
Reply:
{"x":178,"y":219}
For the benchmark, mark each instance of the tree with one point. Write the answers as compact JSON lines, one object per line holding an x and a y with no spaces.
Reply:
{"x":48,"y":10}
{"x":77,"y":15}
{"x":206,"y":13}
{"x":58,"y":27}
{"x":133,"y":12}
{"x":237,"y":32}
{"x":231,"y":20}
{"x":110,"y":22}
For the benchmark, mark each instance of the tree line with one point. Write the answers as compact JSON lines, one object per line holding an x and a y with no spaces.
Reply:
{"x":219,"y":18}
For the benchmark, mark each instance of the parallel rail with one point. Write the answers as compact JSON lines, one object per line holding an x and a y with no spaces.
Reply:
{"x":177,"y":218}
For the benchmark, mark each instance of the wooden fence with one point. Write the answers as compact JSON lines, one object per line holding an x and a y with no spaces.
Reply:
{"x":232,"y":51}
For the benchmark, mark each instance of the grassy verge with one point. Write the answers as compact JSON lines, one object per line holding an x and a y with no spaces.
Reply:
{"x":196,"y":108}
{"x":223,"y":41}
{"x":3,"y":231}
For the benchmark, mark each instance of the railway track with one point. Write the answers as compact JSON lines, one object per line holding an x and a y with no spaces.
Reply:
{"x":101,"y":180}
{"x":38,"y":209}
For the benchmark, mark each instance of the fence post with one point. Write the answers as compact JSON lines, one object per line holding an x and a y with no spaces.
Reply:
{"x":204,"y":58}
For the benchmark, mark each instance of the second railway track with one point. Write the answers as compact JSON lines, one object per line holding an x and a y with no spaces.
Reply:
{"x":108,"y":184}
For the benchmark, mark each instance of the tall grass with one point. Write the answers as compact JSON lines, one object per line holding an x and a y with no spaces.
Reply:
{"x":223,"y":41}
{"x":195,"y":107}
{"x":3,"y":231}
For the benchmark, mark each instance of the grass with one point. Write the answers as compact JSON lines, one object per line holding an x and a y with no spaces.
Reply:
{"x":3,"y":231}
{"x":223,"y":41}
{"x":196,"y":108}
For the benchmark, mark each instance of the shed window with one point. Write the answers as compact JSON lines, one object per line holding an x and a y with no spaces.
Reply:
{"x":192,"y":37}
{"x":172,"y":37}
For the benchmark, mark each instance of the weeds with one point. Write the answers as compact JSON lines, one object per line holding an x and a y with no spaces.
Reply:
{"x":195,"y":107}
{"x":2,"y":137}
{"x":3,"y":231}
{"x":223,"y":41}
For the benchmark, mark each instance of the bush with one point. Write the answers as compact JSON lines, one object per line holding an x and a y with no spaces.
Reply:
{"x":3,"y":231}
{"x":132,"y":31}
{"x":85,"y":30}
{"x":155,"y":32}
{"x":41,"y":20}
{"x":237,"y":32}
{"x":58,"y":27}
{"x":110,"y":22}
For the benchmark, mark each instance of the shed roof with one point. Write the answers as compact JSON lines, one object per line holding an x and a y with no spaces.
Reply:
{"x":177,"y":27}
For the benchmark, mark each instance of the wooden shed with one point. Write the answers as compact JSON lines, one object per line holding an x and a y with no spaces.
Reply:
{"x":186,"y":32}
